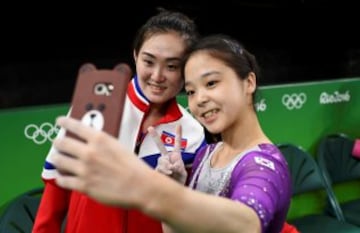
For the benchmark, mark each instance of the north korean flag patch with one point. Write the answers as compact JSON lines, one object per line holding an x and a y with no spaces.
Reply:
{"x":169,"y":140}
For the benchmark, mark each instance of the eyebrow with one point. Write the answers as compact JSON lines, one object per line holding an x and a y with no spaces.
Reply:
{"x":167,"y":59}
{"x":203,"y":76}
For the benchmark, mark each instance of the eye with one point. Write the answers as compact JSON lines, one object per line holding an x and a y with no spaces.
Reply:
{"x":172,"y":67}
{"x":189,"y":92}
{"x":89,"y":106}
{"x":148,"y":62}
{"x":211,"y":83}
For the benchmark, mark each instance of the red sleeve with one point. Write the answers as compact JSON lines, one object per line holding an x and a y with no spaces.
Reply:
{"x":288,"y":228}
{"x":52,"y":209}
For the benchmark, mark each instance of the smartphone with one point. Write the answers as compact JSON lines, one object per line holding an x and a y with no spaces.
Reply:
{"x":99,"y":97}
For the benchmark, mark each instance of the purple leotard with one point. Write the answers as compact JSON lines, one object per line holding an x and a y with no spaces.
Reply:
{"x":258,"y":178}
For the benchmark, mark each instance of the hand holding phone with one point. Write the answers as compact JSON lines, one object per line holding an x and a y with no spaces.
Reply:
{"x":99,"y":97}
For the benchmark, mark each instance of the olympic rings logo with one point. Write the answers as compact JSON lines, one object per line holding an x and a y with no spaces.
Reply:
{"x":46,"y":132}
{"x":294,"y":100}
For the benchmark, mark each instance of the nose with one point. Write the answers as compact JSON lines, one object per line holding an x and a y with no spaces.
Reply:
{"x":158,"y":74}
{"x":201,"y":97}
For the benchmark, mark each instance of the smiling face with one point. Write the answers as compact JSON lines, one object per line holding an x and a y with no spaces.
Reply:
{"x":158,"y":66}
{"x":217,"y":97}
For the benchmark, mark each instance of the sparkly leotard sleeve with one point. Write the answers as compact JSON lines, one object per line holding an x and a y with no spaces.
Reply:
{"x":259,"y":179}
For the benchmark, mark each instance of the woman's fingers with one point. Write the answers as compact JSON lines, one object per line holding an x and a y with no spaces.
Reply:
{"x":178,"y":135}
{"x":157,"y":140}
{"x":75,"y":126}
{"x":67,"y":165}
{"x":70,"y":146}
{"x":170,"y":163}
{"x":164,"y":165}
{"x":70,"y":182}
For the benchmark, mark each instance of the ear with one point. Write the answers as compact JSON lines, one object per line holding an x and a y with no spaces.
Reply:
{"x":251,"y":83}
{"x":87,"y":67}
{"x":124,"y":69}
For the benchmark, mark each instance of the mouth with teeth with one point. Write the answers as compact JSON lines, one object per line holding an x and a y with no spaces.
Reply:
{"x":209,"y":116}
{"x":156,"y":88}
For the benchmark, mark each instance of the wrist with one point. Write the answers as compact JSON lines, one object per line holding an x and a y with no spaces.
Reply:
{"x":162,"y":189}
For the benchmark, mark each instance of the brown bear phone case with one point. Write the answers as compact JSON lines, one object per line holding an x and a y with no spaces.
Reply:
{"x":99,"y":97}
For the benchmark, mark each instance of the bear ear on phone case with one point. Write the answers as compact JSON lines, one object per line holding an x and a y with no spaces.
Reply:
{"x":99,"y":96}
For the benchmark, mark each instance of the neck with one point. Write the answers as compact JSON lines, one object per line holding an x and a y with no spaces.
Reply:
{"x":244,"y":134}
{"x":153,"y":115}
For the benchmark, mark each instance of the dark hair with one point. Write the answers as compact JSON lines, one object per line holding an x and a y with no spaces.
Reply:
{"x":167,"y":21}
{"x":230,"y":51}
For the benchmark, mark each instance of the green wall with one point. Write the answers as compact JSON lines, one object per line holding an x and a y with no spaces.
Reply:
{"x":329,"y":107}
{"x":22,"y":158}
{"x":299,"y":113}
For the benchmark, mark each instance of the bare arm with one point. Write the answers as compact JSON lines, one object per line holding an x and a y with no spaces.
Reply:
{"x":185,"y":210}
{"x":107,"y":171}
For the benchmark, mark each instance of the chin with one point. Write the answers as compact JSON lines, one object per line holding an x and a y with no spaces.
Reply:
{"x":213,"y":130}
{"x":158,"y":99}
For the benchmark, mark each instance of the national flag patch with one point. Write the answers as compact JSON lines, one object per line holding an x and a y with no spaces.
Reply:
{"x":265,"y":162}
{"x":169,"y":140}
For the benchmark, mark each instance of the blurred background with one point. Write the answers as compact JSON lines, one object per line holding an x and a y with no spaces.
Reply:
{"x":42,"y":46}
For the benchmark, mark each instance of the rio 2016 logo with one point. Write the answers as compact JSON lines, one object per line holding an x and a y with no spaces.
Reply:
{"x":260,"y":106}
{"x":40,"y":134}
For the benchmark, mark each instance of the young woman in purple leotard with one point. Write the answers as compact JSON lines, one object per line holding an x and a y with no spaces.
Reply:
{"x":244,"y":166}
